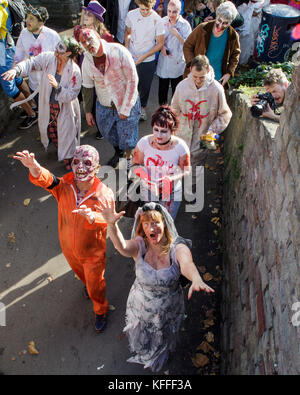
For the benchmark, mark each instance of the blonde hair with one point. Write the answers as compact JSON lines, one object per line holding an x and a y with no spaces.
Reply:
{"x":275,"y":76}
{"x":154,"y":215}
{"x":176,"y":3}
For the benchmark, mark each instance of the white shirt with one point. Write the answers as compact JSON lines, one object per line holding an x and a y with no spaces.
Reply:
{"x":27,"y":46}
{"x":119,"y":82}
{"x":160,"y":163}
{"x":144,"y":31}
{"x":173,"y":65}
{"x":123,"y":11}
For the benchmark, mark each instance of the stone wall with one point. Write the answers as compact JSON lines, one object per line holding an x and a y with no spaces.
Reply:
{"x":261,"y":228}
{"x":63,"y":14}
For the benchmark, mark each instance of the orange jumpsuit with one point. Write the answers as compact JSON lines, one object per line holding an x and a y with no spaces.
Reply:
{"x":83,"y":244}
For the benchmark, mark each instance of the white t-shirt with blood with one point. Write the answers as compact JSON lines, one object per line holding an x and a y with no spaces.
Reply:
{"x":160,"y":163}
{"x":144,"y":31}
{"x":27,"y":46}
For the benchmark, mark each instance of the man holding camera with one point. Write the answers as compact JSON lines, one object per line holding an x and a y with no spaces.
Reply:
{"x":276,"y":84}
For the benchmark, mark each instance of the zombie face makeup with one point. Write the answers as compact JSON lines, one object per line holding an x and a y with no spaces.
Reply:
{"x":221,"y":24}
{"x":85,"y":163}
{"x":173,"y":13}
{"x":162,"y":135}
{"x":91,"y":41}
{"x":153,"y":229}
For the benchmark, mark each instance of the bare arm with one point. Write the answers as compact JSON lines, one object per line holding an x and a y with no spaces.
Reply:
{"x":28,"y":160}
{"x":127,"y":37}
{"x":160,"y":43}
{"x":189,"y":270}
{"x":128,"y":248}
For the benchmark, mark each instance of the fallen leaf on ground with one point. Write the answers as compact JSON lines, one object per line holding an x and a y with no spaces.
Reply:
{"x":210,"y":337}
{"x":218,"y":279}
{"x":205,"y":347}
{"x":200,"y":360}
{"x":215,"y":220}
{"x":12,"y":237}
{"x":31,"y":348}
{"x":211,"y":253}
{"x":194,"y":216}
{"x":207,"y":277}
{"x":215,"y":211}
{"x":49,"y":279}
{"x":121,"y":335}
{"x":207,"y":323}
{"x":210,"y":313}
{"x":26,"y":202}
{"x":111,"y":307}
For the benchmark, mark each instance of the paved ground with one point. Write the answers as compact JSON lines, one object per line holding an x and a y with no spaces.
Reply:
{"x":44,"y":301}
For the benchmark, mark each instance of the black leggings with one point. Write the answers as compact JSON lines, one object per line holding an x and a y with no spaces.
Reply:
{"x":163,"y":88}
{"x":145,"y":72}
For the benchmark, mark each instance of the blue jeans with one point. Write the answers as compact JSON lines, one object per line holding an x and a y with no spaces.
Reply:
{"x":122,"y":133}
{"x":10,"y":87}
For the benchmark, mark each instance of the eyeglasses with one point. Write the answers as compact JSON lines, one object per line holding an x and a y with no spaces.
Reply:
{"x":34,"y":12}
{"x":61,"y":48}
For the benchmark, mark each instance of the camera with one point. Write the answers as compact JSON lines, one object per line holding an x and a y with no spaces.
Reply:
{"x":261,"y":106}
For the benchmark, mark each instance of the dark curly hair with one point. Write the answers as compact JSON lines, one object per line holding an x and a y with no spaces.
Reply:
{"x":42,"y":13}
{"x":165,"y":117}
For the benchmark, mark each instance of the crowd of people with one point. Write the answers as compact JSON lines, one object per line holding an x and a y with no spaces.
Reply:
{"x":110,"y":63}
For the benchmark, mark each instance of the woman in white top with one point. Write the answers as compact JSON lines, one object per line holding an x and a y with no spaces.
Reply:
{"x":171,"y":62}
{"x":165,"y":159}
{"x":144,"y":37}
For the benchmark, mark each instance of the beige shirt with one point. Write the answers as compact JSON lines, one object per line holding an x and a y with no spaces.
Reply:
{"x":200,"y":109}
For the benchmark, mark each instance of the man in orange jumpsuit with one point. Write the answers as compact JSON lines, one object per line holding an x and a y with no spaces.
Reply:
{"x":82,"y":237}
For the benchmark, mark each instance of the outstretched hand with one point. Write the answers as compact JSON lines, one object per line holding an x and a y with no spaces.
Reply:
{"x":26,"y":158}
{"x":86,"y":212}
{"x":108,"y":211}
{"x":198,"y":286}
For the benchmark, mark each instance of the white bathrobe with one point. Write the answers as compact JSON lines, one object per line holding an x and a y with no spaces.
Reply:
{"x":69,"y":119}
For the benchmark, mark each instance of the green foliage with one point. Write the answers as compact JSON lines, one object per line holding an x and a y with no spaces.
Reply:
{"x":254,"y":77}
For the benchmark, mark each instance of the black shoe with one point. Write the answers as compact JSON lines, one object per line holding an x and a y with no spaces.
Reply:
{"x":23,"y":114}
{"x":100,"y":322}
{"x":28,"y":122}
{"x":114,"y":160}
{"x":99,"y":135}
